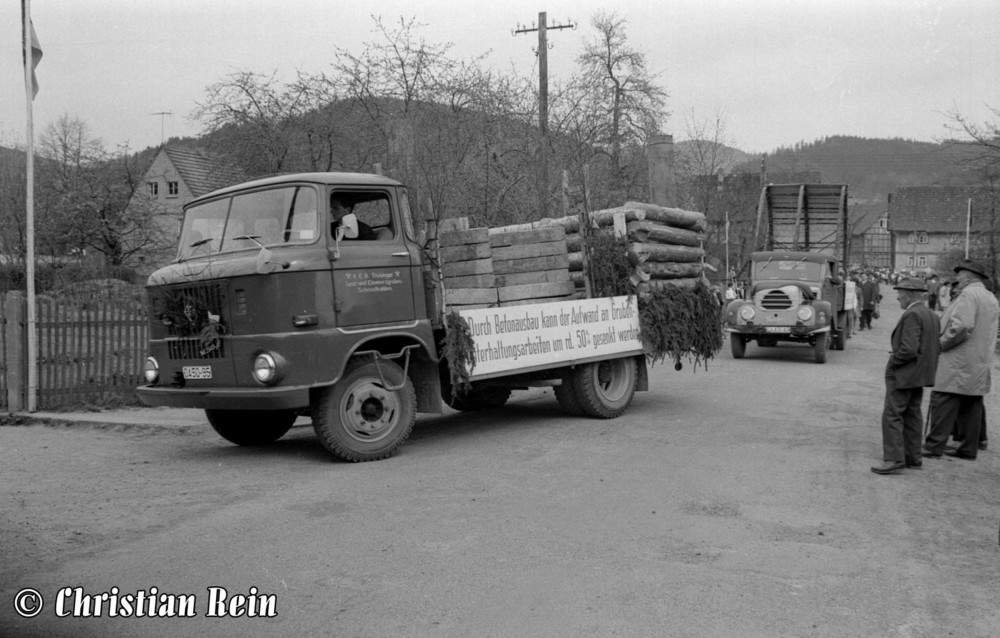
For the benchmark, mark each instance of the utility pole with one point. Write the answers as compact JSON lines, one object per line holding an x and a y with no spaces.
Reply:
{"x":543,"y":104}
{"x":162,"y":114}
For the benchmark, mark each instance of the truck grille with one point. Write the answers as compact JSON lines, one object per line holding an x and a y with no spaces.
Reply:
{"x":195,"y":349}
{"x":776,"y":300}
{"x":195,"y":317}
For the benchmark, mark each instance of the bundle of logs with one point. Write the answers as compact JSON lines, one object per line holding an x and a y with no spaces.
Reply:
{"x":544,"y":260}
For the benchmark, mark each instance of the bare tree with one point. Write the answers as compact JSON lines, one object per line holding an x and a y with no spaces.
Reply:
{"x":257,"y":119}
{"x":626,"y":100}
{"x":92,"y":198}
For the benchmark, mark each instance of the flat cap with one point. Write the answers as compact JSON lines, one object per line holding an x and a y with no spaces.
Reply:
{"x":911,"y":283}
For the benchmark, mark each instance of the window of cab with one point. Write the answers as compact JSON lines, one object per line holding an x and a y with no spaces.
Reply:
{"x":272,"y":217}
{"x":372,"y":208}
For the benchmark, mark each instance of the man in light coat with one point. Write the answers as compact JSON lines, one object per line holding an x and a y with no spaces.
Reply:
{"x":968,"y":338}
{"x":911,"y":368}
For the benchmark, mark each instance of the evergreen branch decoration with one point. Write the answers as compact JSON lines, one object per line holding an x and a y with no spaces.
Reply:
{"x":680,"y":323}
{"x":675,"y":322}
{"x":460,"y":352}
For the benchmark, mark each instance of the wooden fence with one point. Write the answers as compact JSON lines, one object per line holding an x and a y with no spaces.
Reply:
{"x":91,"y":346}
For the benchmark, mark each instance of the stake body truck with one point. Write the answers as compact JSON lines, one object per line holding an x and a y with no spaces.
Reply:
{"x":796,"y":293}
{"x":273,"y":309}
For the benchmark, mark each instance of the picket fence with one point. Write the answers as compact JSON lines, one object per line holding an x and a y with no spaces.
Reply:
{"x":91,"y":346}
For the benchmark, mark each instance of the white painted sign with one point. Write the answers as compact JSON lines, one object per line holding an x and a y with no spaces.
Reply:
{"x":538,"y":335}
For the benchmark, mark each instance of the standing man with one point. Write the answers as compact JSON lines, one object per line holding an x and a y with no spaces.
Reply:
{"x":910,"y":368}
{"x":869,"y":297}
{"x":968,"y":338}
{"x":850,"y":304}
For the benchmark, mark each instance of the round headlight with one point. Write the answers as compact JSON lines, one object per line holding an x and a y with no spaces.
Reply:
{"x":805,"y":313}
{"x":747,"y":313}
{"x":265,"y":369}
{"x":151,"y":370}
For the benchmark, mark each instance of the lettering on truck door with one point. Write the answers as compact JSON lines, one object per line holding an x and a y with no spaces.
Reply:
{"x":372,"y":279}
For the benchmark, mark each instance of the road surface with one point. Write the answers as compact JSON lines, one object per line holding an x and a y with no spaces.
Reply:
{"x":732,"y":501}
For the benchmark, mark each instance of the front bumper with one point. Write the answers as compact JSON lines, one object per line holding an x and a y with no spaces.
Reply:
{"x":779,"y":332}
{"x":289,"y":398}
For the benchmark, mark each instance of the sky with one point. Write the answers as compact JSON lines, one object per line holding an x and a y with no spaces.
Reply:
{"x":777,"y":72}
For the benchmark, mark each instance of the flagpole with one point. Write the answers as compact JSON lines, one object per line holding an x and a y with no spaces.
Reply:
{"x":30,"y":208}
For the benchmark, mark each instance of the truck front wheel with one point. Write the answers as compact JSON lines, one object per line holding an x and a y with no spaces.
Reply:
{"x":737,"y":345}
{"x":605,"y":389}
{"x":821,"y":347}
{"x":368,"y":414}
{"x":245,"y":427}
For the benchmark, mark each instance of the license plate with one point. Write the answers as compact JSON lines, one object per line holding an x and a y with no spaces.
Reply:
{"x":778,"y":329}
{"x":197,"y":372}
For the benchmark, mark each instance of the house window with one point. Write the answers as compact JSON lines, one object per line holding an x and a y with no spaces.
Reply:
{"x":883,"y":222}
{"x":172,"y":188}
{"x":154,"y":188}
{"x":918,"y":238}
{"x":921,"y":262}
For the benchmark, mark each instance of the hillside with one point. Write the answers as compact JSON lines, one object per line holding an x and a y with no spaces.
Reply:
{"x":873,"y":168}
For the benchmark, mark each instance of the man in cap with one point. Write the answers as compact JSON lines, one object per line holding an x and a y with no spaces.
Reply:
{"x":968,"y":337}
{"x":910,"y":368}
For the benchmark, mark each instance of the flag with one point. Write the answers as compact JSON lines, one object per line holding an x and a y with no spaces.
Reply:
{"x":36,"y":52}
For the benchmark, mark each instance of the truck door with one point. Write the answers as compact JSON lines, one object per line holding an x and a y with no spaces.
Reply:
{"x":372,"y":278}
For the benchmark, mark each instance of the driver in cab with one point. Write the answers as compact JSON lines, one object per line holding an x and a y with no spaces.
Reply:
{"x":339,"y":208}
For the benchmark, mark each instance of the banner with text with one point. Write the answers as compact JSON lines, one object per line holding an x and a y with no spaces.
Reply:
{"x":519,"y":337}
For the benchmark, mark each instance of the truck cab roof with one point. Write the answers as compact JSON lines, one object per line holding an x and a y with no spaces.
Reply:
{"x":330,"y":179}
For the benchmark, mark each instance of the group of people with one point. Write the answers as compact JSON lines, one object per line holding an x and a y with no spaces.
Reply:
{"x":951,"y":353}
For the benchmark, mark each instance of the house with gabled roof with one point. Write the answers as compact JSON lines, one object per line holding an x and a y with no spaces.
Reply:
{"x":928,"y":223}
{"x":177,"y":175}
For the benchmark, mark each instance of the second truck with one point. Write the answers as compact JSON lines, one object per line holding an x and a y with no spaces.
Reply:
{"x":796,"y":291}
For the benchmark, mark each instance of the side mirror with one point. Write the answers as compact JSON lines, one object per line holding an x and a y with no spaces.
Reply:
{"x":836,"y":281}
{"x":263,"y":265}
{"x":348,"y":227}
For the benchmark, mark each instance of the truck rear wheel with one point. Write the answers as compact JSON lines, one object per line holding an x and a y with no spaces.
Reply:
{"x":367,"y":414}
{"x":605,"y":389}
{"x":566,"y":396}
{"x":477,"y":398}
{"x":248,"y":427}
{"x":737,"y":345}
{"x":821,"y":347}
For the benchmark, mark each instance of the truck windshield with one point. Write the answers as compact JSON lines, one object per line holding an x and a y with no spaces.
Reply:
{"x":273,"y":217}
{"x":787,"y":269}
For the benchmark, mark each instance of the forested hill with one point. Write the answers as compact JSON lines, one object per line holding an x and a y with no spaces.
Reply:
{"x":873,"y":168}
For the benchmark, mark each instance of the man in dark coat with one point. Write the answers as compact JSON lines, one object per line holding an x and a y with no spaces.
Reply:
{"x":869,"y":295}
{"x":910,"y":368}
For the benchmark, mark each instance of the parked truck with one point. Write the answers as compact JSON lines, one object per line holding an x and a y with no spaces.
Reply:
{"x":796,"y":290}
{"x":275,"y":308}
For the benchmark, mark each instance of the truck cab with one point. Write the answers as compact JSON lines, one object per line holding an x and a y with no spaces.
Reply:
{"x":794,"y":297}
{"x":267,"y":309}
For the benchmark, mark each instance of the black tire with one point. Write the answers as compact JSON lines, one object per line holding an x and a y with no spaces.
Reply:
{"x":359,"y":418}
{"x":251,"y":427}
{"x":566,"y":396}
{"x":477,"y":398}
{"x":737,"y":345}
{"x":840,"y":339}
{"x":821,"y":347}
{"x":605,"y":389}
